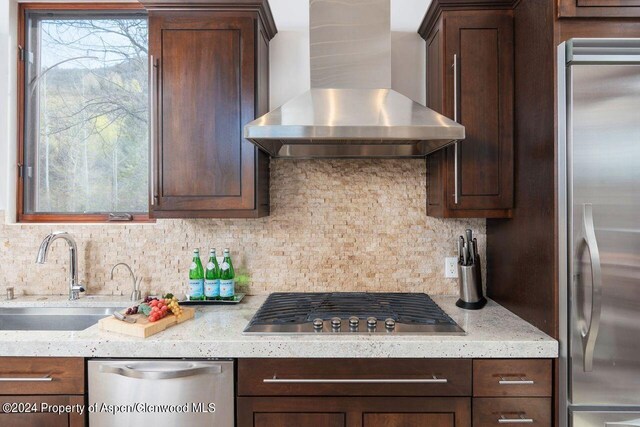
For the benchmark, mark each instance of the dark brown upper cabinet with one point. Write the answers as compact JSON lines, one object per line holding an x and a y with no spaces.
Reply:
{"x":598,"y":8}
{"x":210,"y":76}
{"x":470,"y":79}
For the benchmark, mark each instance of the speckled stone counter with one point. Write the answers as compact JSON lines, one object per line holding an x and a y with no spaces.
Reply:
{"x":493,"y":332}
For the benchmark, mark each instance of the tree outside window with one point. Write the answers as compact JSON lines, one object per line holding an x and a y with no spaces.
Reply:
{"x":86,"y":113}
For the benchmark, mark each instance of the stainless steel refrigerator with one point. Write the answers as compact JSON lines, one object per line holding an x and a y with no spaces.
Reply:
{"x":599,"y":231}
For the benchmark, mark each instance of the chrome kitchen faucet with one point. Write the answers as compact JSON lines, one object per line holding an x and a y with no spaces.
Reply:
{"x":135,"y":281}
{"x":74,"y":286}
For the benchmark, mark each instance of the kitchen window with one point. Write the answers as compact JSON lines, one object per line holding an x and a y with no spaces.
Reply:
{"x":84,"y":145}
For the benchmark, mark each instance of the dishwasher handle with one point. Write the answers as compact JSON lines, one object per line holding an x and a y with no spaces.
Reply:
{"x":149,"y":373}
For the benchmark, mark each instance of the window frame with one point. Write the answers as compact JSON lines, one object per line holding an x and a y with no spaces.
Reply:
{"x":21,"y":216}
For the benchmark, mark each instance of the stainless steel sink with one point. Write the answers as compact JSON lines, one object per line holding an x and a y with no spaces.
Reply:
{"x":51,"y":318}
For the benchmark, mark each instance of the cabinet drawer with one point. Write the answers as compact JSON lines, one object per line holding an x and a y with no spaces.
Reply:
{"x":354,"y":377}
{"x":504,"y":411}
{"x":512,"y":377}
{"x":41,"y":375}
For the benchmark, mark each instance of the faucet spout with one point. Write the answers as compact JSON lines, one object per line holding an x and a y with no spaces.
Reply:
{"x":74,"y":286}
{"x":135,"y":293}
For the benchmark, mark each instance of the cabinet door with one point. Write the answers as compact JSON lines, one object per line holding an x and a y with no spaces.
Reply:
{"x":408,"y":420}
{"x":353,"y":411}
{"x":480,"y":168}
{"x":205,"y":94}
{"x":299,"y":420}
{"x":22,"y":412}
{"x":291,"y":411}
{"x":436,"y":167}
{"x":416,"y":412}
{"x":436,"y":176}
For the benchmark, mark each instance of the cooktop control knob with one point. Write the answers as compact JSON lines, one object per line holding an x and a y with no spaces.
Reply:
{"x":354,"y":322}
{"x":336,"y":322}
{"x":317,"y":324}
{"x":389,"y":323}
{"x":372,"y":322}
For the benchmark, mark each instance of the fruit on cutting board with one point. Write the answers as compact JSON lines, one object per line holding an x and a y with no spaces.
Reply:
{"x":157,"y":308}
{"x":174,"y":306}
{"x":132,"y":310}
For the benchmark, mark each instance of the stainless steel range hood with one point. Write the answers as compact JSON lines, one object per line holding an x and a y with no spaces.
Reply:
{"x":350,"y":110}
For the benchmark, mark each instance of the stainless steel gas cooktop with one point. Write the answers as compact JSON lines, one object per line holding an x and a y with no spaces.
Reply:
{"x":351,"y":313}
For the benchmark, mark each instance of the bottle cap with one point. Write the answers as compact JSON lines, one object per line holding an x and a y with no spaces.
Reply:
{"x":226,"y":250}
{"x":196,"y":251}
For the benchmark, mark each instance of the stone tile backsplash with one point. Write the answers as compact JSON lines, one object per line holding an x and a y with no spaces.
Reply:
{"x":335,"y":225}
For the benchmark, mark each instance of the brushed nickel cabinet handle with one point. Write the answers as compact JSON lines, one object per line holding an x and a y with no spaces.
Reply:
{"x":455,"y":87}
{"x":153,"y":70}
{"x":456,"y":184}
{"x":46,"y":378}
{"x":521,"y":381}
{"x":519,"y":420}
{"x":432,"y":380}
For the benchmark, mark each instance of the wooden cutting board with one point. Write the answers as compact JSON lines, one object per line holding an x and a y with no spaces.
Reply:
{"x":143,"y":328}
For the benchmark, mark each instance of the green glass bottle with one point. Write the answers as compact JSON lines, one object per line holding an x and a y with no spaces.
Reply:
{"x":212,"y":277}
{"x":227,"y":278}
{"x":196,"y":277}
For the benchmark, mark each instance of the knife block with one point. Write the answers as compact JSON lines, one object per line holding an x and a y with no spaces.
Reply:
{"x":470,"y":283}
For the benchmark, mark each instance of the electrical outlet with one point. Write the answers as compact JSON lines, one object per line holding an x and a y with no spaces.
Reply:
{"x":451,"y":267}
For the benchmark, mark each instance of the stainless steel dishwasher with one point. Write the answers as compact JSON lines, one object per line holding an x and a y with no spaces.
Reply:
{"x":161,"y":392}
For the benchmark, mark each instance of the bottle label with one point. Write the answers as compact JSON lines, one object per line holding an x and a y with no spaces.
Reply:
{"x":193,"y":266}
{"x":224,"y":266}
{"x":211,"y":266}
{"x":196,"y":288}
{"x":227,"y":288}
{"x":212,"y":288}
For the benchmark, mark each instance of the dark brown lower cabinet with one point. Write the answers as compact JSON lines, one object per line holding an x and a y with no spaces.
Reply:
{"x":354,"y":411}
{"x":512,"y":410}
{"x":23,"y":418}
{"x":393,"y":392}
{"x":30,"y":382}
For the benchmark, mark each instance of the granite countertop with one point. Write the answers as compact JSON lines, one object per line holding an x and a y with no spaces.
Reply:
{"x":216,"y":331}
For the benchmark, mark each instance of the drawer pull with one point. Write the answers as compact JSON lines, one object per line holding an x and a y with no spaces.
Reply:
{"x":520,"y":420}
{"x":521,"y":381}
{"x":31,"y":379}
{"x":432,"y":380}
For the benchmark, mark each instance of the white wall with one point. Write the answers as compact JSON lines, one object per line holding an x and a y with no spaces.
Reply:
{"x":289,"y":49}
{"x":289,"y":68}
{"x":408,"y":49}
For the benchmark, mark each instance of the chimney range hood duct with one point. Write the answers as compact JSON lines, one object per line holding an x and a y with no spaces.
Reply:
{"x":350,"y":111}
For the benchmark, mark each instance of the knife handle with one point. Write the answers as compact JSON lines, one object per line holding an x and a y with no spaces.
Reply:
{"x":475,"y":248}
{"x":465,"y":254}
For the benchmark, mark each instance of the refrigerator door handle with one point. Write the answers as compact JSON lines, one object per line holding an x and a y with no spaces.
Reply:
{"x":590,"y":335}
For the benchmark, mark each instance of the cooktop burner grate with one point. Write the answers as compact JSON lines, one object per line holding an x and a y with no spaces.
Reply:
{"x":295,"y":312}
